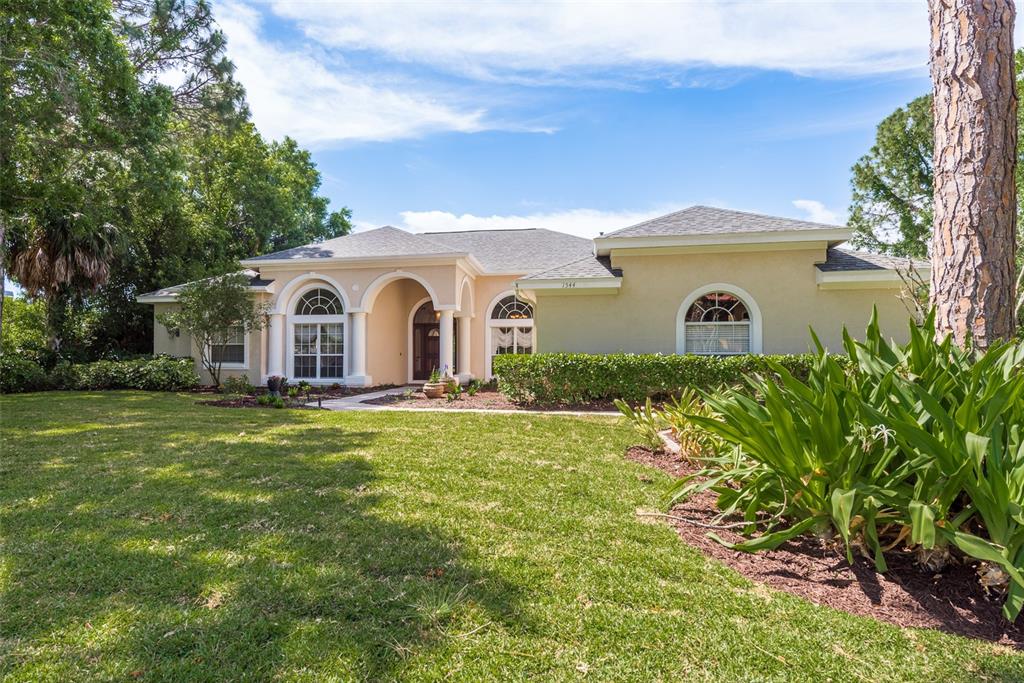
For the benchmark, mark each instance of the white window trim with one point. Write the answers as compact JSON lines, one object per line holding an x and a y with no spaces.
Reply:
{"x":292,"y":320}
{"x":494,"y":322}
{"x":244,"y":365}
{"x":742,"y":294}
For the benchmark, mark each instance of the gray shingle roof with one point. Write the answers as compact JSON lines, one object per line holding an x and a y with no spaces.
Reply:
{"x":708,"y":220}
{"x":498,"y":251}
{"x":587,"y":267}
{"x":254,"y":281}
{"x":517,"y":251}
{"x":379,"y":242}
{"x":844,"y":260}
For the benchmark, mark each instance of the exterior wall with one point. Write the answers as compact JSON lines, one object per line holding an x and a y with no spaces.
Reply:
{"x":387,"y":332}
{"x":181,"y":346}
{"x":354,"y":282}
{"x":485,"y":290}
{"x":641,"y":318}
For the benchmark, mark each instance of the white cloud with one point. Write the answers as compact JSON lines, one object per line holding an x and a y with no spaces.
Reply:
{"x":818,"y":212}
{"x":508,"y":40}
{"x":298,"y":92}
{"x":581,"y":222}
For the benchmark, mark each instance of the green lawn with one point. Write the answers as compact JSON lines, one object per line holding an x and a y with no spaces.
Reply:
{"x":150,"y":538}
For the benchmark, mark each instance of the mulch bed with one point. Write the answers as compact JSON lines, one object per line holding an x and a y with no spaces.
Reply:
{"x":486,"y":399}
{"x":906,"y":595}
{"x":298,"y":402}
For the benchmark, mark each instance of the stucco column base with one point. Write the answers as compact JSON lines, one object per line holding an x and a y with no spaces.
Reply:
{"x":464,"y":377}
{"x":359,"y":381}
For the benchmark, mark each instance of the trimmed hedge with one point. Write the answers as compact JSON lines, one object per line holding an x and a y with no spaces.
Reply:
{"x":554,"y":378}
{"x":159,"y":373}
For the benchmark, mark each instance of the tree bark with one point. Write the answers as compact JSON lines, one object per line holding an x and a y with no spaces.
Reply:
{"x":975,"y":109}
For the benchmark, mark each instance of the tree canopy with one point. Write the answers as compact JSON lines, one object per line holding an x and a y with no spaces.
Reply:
{"x":117,"y":182}
{"x":892,"y":185}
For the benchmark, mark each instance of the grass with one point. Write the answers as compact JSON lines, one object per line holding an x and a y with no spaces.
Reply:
{"x":150,"y":538}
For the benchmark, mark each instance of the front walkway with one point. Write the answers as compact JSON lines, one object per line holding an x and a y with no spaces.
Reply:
{"x":357,"y":402}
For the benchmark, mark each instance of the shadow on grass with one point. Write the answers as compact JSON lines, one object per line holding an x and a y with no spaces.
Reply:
{"x":194,"y":547}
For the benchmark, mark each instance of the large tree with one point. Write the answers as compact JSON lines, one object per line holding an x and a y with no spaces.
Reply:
{"x":71,"y":109}
{"x":975,"y":211}
{"x":892,"y":187}
{"x":126,"y":154}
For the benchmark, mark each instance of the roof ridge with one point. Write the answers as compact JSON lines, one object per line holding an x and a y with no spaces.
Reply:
{"x":654,"y":218}
{"x":449,"y":232}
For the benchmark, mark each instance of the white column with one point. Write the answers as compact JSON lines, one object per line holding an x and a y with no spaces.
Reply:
{"x":275,"y":345}
{"x":462,"y":363}
{"x":357,"y":353}
{"x":447,"y":337}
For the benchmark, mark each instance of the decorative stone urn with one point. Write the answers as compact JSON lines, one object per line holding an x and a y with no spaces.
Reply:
{"x":434,"y":389}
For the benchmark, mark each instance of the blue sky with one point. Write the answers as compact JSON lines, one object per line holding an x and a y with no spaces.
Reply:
{"x":577,"y":116}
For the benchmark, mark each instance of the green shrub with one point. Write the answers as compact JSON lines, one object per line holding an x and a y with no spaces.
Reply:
{"x":20,"y":374}
{"x":238,"y":385}
{"x":920,"y":445}
{"x":24,"y":329}
{"x":161,"y":373}
{"x":580,"y":378}
{"x":674,"y":416}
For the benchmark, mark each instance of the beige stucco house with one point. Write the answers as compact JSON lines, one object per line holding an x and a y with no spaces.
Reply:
{"x":386,"y":306}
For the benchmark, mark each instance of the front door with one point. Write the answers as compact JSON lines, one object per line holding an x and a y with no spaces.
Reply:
{"x":426,"y":349}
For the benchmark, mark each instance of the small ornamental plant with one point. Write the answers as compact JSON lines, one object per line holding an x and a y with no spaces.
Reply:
{"x":435,"y":387}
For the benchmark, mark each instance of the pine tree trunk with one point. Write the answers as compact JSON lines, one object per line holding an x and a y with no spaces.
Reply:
{"x":975,"y":156}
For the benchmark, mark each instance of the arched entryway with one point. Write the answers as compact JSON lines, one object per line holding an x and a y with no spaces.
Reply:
{"x":425,"y":341}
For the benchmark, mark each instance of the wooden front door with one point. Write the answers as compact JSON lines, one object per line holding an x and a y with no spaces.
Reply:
{"x":426,"y":349}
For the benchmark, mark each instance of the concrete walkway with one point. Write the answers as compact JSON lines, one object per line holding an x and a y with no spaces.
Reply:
{"x":357,"y":403}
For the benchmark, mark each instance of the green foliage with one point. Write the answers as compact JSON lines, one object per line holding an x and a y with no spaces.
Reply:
{"x":473,"y":387}
{"x":18,"y":375}
{"x":472,"y":539}
{"x":891,"y":210}
{"x":644,"y":419}
{"x":115,"y":180}
{"x":552,"y":378}
{"x":453,"y":391}
{"x":159,"y":373}
{"x":24,"y":329}
{"x":209,"y":309}
{"x":238,"y":385}
{"x":435,"y":376}
{"x":293,"y":392}
{"x":920,"y":444}
{"x":675,"y":416}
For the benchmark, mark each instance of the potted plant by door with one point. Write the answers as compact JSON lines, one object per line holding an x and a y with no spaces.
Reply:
{"x":276,"y":385}
{"x":435,"y":386}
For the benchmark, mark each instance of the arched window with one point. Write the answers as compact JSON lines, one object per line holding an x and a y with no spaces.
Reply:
{"x":511,"y":308}
{"x":318,"y":336}
{"x":510,"y":328}
{"x":319,"y":302}
{"x":718,"y":323}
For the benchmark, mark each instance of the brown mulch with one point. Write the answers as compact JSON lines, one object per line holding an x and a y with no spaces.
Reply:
{"x":486,"y":399}
{"x":299,"y":402}
{"x":906,"y":595}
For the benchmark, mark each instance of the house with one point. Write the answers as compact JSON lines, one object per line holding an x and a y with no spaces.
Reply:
{"x":386,"y":306}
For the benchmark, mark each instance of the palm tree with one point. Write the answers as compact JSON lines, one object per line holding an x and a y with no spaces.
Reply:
{"x":60,"y":260}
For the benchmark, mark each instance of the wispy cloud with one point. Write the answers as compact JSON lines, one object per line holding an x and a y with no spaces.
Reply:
{"x":495,"y":41}
{"x":819,"y":213}
{"x":315,"y":98}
